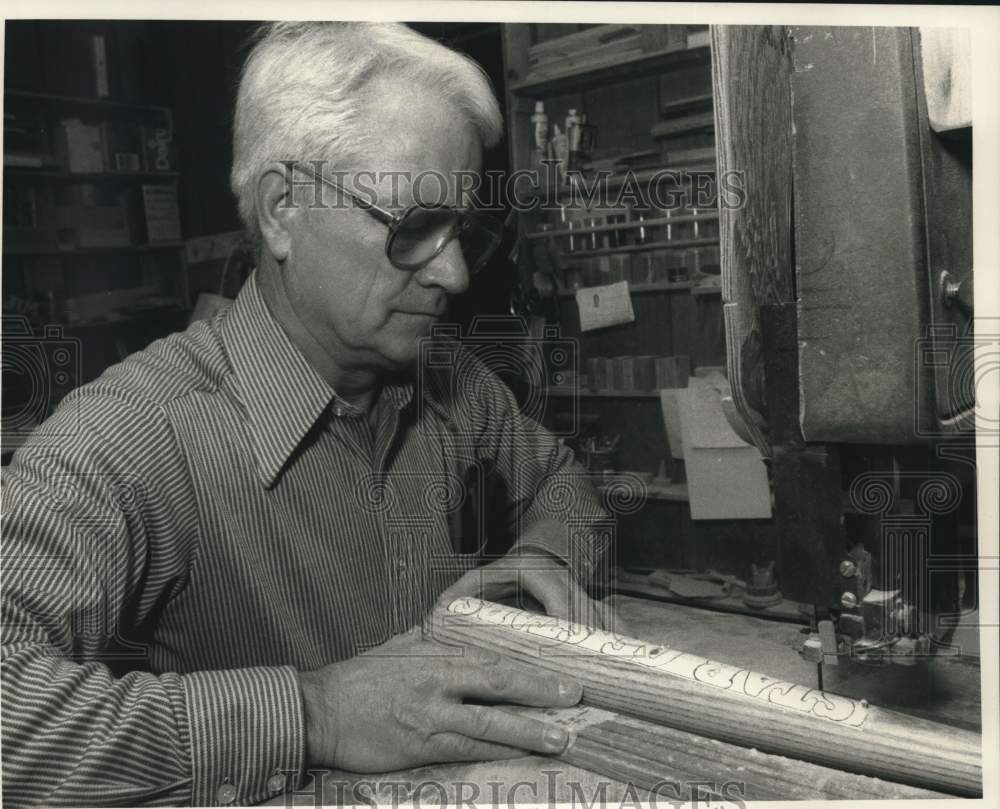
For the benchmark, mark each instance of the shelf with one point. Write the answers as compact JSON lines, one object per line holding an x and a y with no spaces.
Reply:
{"x":691,"y":102}
{"x":87,"y":177}
{"x":658,"y":286}
{"x":684,"y":173}
{"x":83,"y":101}
{"x":632,"y":224}
{"x":627,"y":68}
{"x":87,"y":251}
{"x":676,"y":244}
{"x":674,"y":492}
{"x":118,"y":319}
{"x":586,"y":393}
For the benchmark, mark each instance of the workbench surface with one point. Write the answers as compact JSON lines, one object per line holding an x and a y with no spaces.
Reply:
{"x":946,"y":690}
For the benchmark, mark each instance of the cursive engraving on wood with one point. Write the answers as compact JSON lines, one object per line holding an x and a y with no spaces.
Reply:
{"x":732,"y":679}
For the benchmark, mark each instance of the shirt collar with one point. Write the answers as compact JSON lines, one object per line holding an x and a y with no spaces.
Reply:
{"x":282,"y":394}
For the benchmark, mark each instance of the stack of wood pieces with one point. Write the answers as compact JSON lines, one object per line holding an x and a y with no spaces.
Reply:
{"x":656,"y":716}
{"x":689,"y":114}
{"x":594,"y":47}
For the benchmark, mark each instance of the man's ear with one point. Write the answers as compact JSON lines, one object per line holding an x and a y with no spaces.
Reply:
{"x":276,"y":211}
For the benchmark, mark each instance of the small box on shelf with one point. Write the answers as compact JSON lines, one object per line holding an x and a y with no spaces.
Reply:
{"x":80,"y":146}
{"x":163,"y":219}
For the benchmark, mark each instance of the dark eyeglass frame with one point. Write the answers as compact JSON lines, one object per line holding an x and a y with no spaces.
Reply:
{"x":464,"y":220}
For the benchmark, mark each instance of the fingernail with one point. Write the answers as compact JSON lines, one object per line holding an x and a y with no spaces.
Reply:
{"x":555,"y":739}
{"x":570,"y":690}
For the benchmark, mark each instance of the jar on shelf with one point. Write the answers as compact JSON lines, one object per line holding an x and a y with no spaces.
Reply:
{"x":641,"y":269}
{"x":678,"y":265}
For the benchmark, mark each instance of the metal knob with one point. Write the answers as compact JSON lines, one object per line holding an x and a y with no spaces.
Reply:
{"x":957,"y":293}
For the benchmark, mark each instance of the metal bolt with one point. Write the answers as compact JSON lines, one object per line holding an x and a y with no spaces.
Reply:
{"x":848,"y":569}
{"x":848,"y":601}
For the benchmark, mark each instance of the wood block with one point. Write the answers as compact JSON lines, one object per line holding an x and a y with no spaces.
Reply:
{"x":667,"y":762}
{"x":673,"y":372}
{"x":645,"y":372}
{"x":672,"y":421}
{"x":691,"y":693}
{"x":726,"y":476}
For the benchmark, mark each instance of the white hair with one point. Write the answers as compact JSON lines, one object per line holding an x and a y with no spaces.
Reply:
{"x":305,"y":86}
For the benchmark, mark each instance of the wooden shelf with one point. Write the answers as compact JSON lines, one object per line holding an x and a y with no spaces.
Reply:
{"x":674,"y":107}
{"x":615,"y":181}
{"x":587,"y":393}
{"x":659,"y":286}
{"x":675,"y":244}
{"x":674,"y":492}
{"x":632,"y":224}
{"x":83,"y":101}
{"x":117,"y":319}
{"x":87,"y":251}
{"x":88,"y":177}
{"x":627,"y":68}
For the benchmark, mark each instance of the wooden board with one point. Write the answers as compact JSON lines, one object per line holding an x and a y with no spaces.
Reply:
{"x":751,"y":66}
{"x":743,"y":640}
{"x":667,"y":762}
{"x":719,"y":700}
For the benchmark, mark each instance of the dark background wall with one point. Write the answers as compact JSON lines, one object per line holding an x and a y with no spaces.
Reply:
{"x":193,"y":68}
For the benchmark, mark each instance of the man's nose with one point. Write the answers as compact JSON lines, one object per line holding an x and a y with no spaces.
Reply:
{"x":448,"y":270}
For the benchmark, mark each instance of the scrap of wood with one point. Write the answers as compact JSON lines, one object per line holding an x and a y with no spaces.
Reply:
{"x":726,"y":476}
{"x":721,"y":701}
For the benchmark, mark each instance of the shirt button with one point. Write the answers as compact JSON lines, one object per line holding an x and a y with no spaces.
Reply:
{"x":276,"y":783}
{"x":338,"y":411}
{"x":401,"y":565}
{"x":225,"y":794}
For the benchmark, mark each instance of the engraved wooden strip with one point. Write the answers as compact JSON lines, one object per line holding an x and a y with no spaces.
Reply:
{"x":712,"y":699}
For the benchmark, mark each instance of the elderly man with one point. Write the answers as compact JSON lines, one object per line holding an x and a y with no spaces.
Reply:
{"x":207,"y":549}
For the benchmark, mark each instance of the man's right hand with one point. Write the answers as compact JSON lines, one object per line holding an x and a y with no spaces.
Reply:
{"x":400,"y":707}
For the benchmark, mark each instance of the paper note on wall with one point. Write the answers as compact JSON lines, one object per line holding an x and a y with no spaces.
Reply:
{"x":727,"y":479}
{"x":604,"y":306}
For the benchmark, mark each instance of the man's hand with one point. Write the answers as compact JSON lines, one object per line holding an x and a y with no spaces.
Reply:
{"x":540,"y":577}
{"x":402,"y":706}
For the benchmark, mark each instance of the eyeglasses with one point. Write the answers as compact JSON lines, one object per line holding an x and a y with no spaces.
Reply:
{"x":420,"y":233}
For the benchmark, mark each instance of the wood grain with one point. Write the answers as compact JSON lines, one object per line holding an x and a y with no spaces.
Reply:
{"x":751,"y":66}
{"x":713,"y":699}
{"x":668,"y":762}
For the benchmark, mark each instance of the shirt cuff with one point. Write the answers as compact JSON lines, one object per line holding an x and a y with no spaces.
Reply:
{"x":578,"y":546}
{"x":247,"y":734}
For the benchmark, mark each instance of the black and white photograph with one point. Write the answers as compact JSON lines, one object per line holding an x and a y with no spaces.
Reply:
{"x":499,"y":404}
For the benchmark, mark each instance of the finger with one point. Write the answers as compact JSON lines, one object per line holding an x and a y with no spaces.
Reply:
{"x":500,"y":727}
{"x":501,"y":682}
{"x":450,"y":746}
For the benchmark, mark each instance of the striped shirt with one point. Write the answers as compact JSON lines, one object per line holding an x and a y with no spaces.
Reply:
{"x":209,"y":517}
